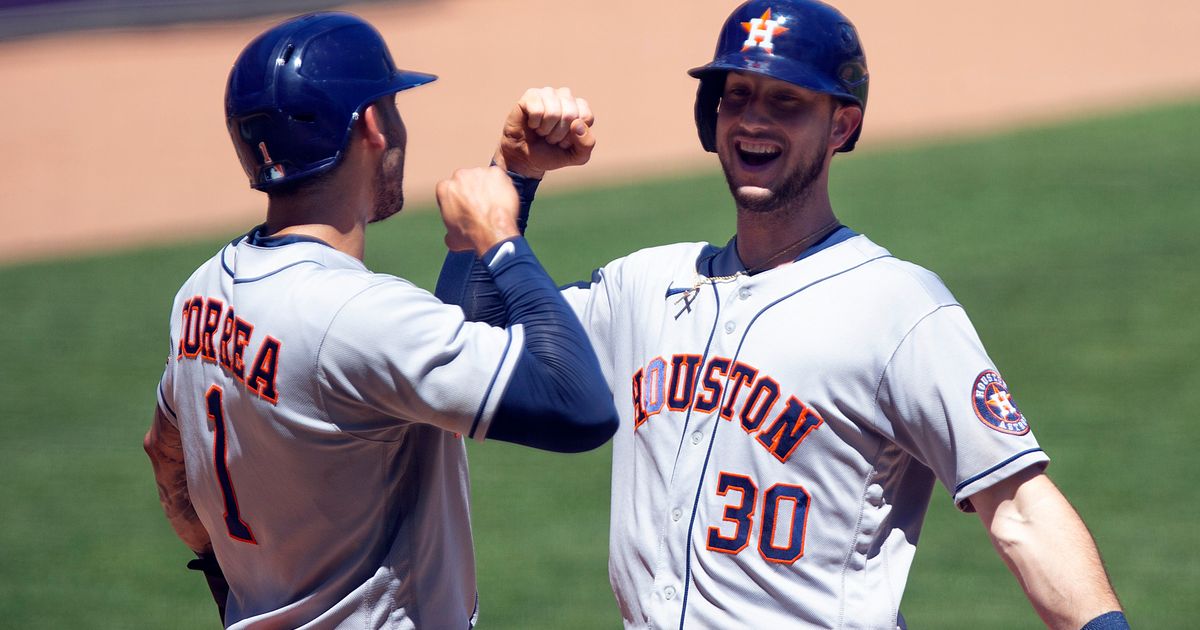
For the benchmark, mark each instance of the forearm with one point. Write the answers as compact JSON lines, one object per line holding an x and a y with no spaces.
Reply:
{"x":1048,"y":548}
{"x":557,"y":399}
{"x":165,"y":449}
{"x":465,"y":282}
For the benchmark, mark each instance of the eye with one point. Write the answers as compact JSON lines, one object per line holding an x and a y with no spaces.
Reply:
{"x":785,"y":99}
{"x":737,"y":92}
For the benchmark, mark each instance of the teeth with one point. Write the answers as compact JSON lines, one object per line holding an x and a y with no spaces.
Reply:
{"x":758,"y":148}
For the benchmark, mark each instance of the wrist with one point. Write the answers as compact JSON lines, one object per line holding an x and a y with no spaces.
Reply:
{"x":516,"y":166}
{"x":1113,"y":620}
{"x":484,"y":242}
{"x":526,"y":188}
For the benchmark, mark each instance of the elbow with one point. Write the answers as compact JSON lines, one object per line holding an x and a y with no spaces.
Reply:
{"x":565,"y":410}
{"x":583,"y":427}
{"x":152,"y":446}
{"x":593,"y":432}
{"x":561,"y":429}
{"x":1013,"y":512}
{"x":1008,"y":537}
{"x":1013,"y":533}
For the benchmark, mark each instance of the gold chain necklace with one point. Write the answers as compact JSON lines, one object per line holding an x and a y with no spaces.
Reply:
{"x":799,"y":245}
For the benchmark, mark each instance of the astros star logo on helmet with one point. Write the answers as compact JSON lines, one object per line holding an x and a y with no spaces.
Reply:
{"x":761,"y":30}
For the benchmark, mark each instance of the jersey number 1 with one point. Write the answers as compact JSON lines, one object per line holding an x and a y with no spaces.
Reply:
{"x":233,"y":518}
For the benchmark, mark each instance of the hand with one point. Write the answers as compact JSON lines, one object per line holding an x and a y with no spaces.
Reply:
{"x":479,"y":208}
{"x":207,"y":563}
{"x":547,"y":129}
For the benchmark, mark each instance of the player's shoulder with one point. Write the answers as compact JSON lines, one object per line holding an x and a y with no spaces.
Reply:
{"x":895,"y":279}
{"x":361,"y":299}
{"x":307,"y":265}
{"x":660,"y":259}
{"x":305,"y":270}
{"x":649,"y":268}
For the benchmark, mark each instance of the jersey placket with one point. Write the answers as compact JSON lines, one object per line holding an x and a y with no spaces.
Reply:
{"x":683,"y":524}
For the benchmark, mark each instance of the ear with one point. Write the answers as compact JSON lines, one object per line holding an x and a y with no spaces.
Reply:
{"x":846,"y":119}
{"x":372,"y":128}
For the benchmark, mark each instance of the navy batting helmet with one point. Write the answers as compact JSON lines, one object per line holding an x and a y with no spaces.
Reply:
{"x":296,"y":90}
{"x":804,"y":42}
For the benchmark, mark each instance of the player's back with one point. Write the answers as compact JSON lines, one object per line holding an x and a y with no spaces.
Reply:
{"x":323,"y":509}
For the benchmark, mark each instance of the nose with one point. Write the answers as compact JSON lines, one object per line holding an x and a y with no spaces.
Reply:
{"x":755,"y":114}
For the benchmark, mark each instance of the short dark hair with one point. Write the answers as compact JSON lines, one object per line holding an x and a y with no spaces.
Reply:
{"x":386,"y":105}
{"x":302,"y":186}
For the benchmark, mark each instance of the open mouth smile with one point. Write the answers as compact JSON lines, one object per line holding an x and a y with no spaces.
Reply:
{"x":757,"y":152}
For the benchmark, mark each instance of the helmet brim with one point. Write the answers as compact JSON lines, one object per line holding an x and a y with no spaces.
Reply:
{"x":780,"y":68}
{"x":406,"y":79}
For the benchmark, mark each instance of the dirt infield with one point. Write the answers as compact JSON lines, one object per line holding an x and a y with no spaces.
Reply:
{"x":112,"y":139}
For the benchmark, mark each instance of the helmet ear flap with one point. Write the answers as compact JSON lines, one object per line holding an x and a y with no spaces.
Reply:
{"x":708,"y":98}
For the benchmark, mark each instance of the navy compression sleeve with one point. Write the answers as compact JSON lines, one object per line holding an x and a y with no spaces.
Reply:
{"x":466,"y":282}
{"x":557,"y":398}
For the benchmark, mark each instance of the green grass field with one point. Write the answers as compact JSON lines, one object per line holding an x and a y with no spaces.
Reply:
{"x":1073,"y":249}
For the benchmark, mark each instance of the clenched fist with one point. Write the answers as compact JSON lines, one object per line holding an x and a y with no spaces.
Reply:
{"x":547,"y":129}
{"x":479,"y":208}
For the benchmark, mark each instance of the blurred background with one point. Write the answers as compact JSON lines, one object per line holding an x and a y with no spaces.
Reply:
{"x":1042,"y":157}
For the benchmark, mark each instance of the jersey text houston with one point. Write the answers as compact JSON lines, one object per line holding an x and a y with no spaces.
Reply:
{"x":652,"y":389}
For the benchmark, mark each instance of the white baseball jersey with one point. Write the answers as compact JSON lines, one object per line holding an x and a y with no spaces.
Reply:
{"x":321,"y":408}
{"x":781,"y":433}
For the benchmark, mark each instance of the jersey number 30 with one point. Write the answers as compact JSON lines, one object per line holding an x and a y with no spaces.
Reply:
{"x":233,"y":518}
{"x":780,"y":539}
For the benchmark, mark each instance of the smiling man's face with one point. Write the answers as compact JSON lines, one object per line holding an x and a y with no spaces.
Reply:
{"x":772,"y":138}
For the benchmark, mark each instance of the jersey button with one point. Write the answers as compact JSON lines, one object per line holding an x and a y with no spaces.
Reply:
{"x":744,"y":294}
{"x":669,"y":592}
{"x":696,"y":437}
{"x":875,"y":495}
{"x":729,"y":326}
{"x":676,"y":514}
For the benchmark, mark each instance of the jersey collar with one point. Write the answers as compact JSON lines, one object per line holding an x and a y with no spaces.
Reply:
{"x":259,"y":238}
{"x":724,"y":261}
{"x":254,"y":255}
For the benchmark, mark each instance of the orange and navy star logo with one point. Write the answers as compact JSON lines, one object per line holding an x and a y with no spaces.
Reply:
{"x":994,"y":405}
{"x":761,"y":30}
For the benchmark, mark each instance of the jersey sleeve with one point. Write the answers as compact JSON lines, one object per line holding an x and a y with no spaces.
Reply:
{"x":401,"y":352}
{"x":166,"y":385}
{"x":165,"y":401}
{"x":948,"y":405}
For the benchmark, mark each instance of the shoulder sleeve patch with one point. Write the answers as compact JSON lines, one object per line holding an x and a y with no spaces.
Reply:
{"x":995,"y":406}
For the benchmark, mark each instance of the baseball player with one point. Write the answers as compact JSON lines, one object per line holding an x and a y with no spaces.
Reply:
{"x":788,"y":400}
{"x":308,"y":442}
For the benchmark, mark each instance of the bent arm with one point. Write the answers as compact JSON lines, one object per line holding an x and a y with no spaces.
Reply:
{"x":1048,"y":548}
{"x":557,"y":399}
{"x":465,"y":281}
{"x":165,"y":447}
{"x":546,"y":130}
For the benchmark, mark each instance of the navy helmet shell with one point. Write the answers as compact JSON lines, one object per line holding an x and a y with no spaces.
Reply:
{"x":295,"y":91}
